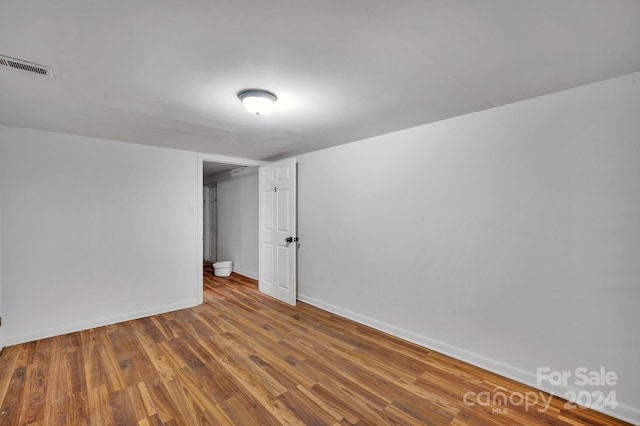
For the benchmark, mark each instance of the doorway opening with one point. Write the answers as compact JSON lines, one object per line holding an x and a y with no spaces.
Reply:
{"x":254,"y":227}
{"x":230,"y":216}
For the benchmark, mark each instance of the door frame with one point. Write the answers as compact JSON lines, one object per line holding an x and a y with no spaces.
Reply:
{"x":210,"y":158}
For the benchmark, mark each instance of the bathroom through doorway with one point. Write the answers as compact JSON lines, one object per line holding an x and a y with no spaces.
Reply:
{"x":230,"y":216}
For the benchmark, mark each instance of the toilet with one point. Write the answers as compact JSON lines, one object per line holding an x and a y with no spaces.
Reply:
{"x":222,"y":269}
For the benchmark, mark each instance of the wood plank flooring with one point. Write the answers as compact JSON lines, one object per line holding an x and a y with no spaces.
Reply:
{"x":243,"y":358}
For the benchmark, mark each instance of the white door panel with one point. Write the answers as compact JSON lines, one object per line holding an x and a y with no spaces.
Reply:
{"x":277,"y":204}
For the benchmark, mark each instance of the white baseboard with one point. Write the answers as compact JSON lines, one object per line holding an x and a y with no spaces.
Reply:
{"x":244,"y":273}
{"x":70,"y":328}
{"x":623,"y":412}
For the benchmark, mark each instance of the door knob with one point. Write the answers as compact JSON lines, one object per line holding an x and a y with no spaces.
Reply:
{"x":291,"y":239}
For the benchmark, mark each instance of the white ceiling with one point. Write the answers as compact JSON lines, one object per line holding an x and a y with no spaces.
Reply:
{"x":167,"y":73}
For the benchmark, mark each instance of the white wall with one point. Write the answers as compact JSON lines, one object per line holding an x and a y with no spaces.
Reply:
{"x":94,"y":232}
{"x":238,"y":223}
{"x":508,"y":237}
{"x":1,"y":295}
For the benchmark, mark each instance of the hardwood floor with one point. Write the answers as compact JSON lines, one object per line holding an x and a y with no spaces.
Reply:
{"x":243,"y":358}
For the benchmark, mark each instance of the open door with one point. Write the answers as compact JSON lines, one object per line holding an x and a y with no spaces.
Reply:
{"x":277,"y":227}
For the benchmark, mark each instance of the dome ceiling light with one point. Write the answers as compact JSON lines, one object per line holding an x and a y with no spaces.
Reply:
{"x":256,"y":101}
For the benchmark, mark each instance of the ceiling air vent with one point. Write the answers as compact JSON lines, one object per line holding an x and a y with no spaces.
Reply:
{"x":25,"y":66}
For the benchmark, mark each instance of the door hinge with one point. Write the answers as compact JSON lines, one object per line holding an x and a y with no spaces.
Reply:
{"x":275,"y":189}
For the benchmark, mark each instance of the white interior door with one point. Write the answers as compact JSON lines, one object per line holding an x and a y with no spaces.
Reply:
{"x":277,"y":227}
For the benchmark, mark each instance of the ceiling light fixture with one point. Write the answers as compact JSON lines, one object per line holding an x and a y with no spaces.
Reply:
{"x":258,"y":102}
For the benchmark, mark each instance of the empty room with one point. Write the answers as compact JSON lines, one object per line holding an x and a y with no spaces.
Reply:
{"x":319,"y":212}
